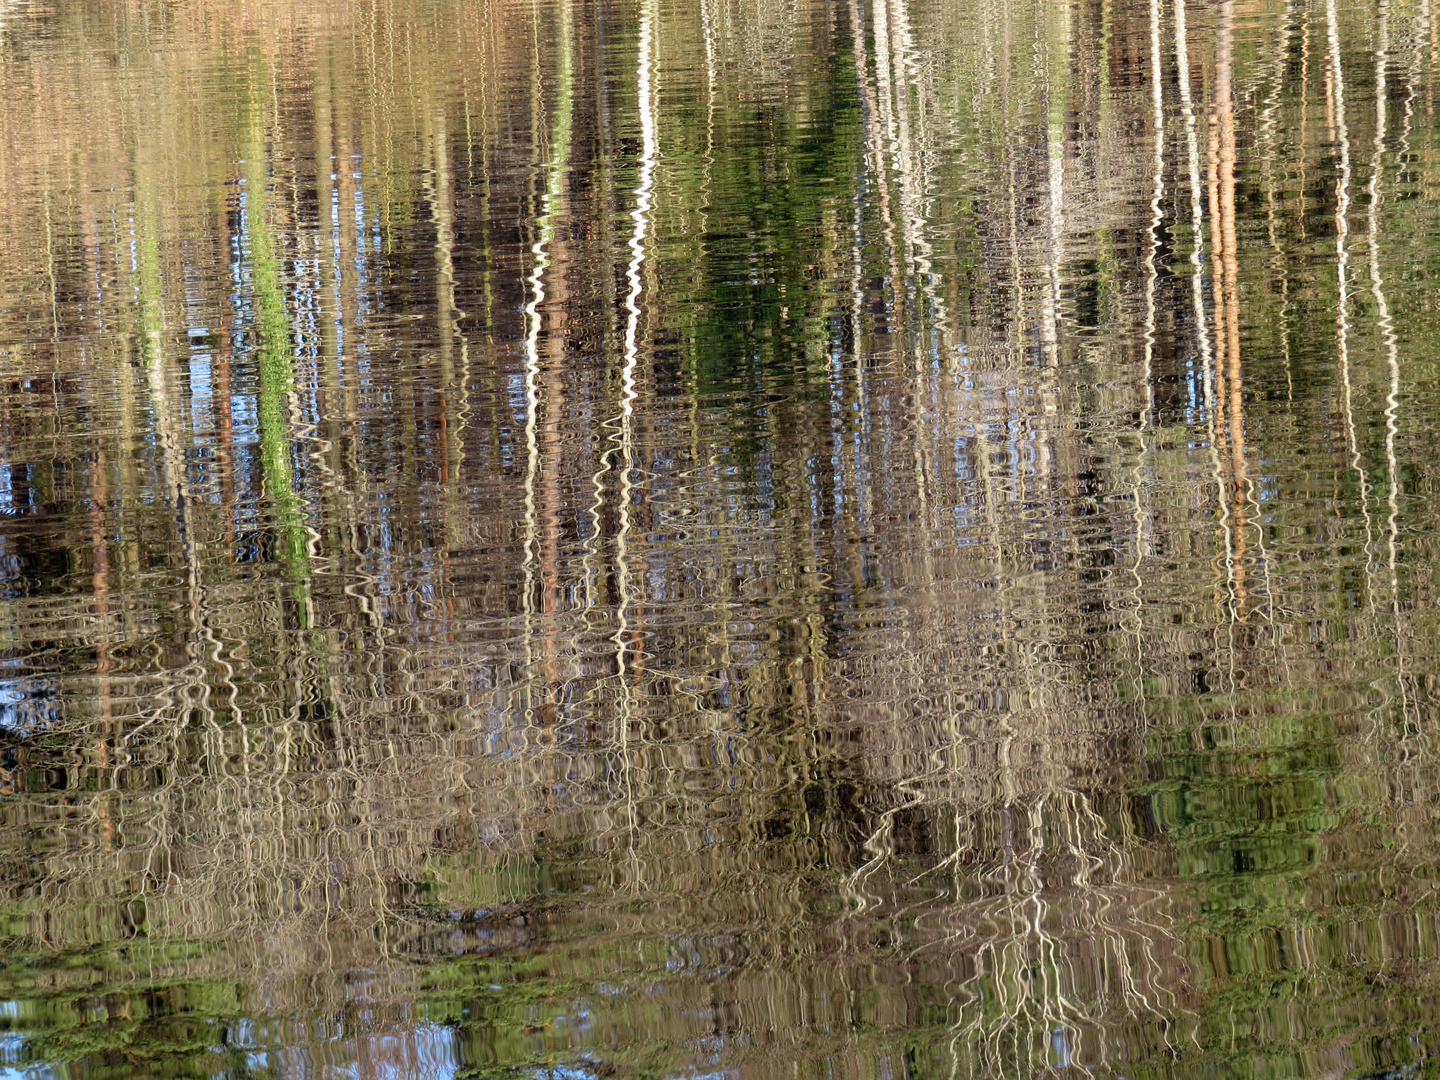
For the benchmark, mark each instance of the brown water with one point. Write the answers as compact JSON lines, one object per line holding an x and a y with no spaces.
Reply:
{"x":827,"y":538}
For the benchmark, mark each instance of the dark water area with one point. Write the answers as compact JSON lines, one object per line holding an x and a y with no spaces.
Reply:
{"x":867,"y":539}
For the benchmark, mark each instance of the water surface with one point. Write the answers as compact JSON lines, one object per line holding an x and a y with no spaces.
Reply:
{"x":835,"y":538}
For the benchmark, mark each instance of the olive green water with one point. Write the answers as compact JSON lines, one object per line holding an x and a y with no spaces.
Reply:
{"x":862,"y":539}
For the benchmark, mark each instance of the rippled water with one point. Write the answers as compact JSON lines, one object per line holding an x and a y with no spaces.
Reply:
{"x":835,"y":538}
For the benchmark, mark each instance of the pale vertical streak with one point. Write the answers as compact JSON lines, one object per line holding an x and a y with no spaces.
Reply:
{"x":1055,"y":154}
{"x":1225,"y":275}
{"x":871,"y":158}
{"x":911,"y":161}
{"x":554,"y":171}
{"x":1434,"y":57}
{"x":878,"y":113}
{"x":873,"y":168}
{"x":1017,"y":318}
{"x":448,"y":314}
{"x":884,"y":128}
{"x":1304,"y":112}
{"x":1197,"y":295}
{"x":914,"y":147}
{"x":536,"y":286}
{"x":593,"y":543}
{"x":644,"y":203}
{"x":898,"y":47}
{"x":867,"y":114}
{"x":1157,"y":195}
{"x":1421,"y":25}
{"x":707,"y":27}
{"x":1387,"y":332}
{"x":857,"y":288}
{"x":1340,"y":126}
{"x":1157,"y":106}
{"x":881,"y":20}
{"x":1267,"y":158}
